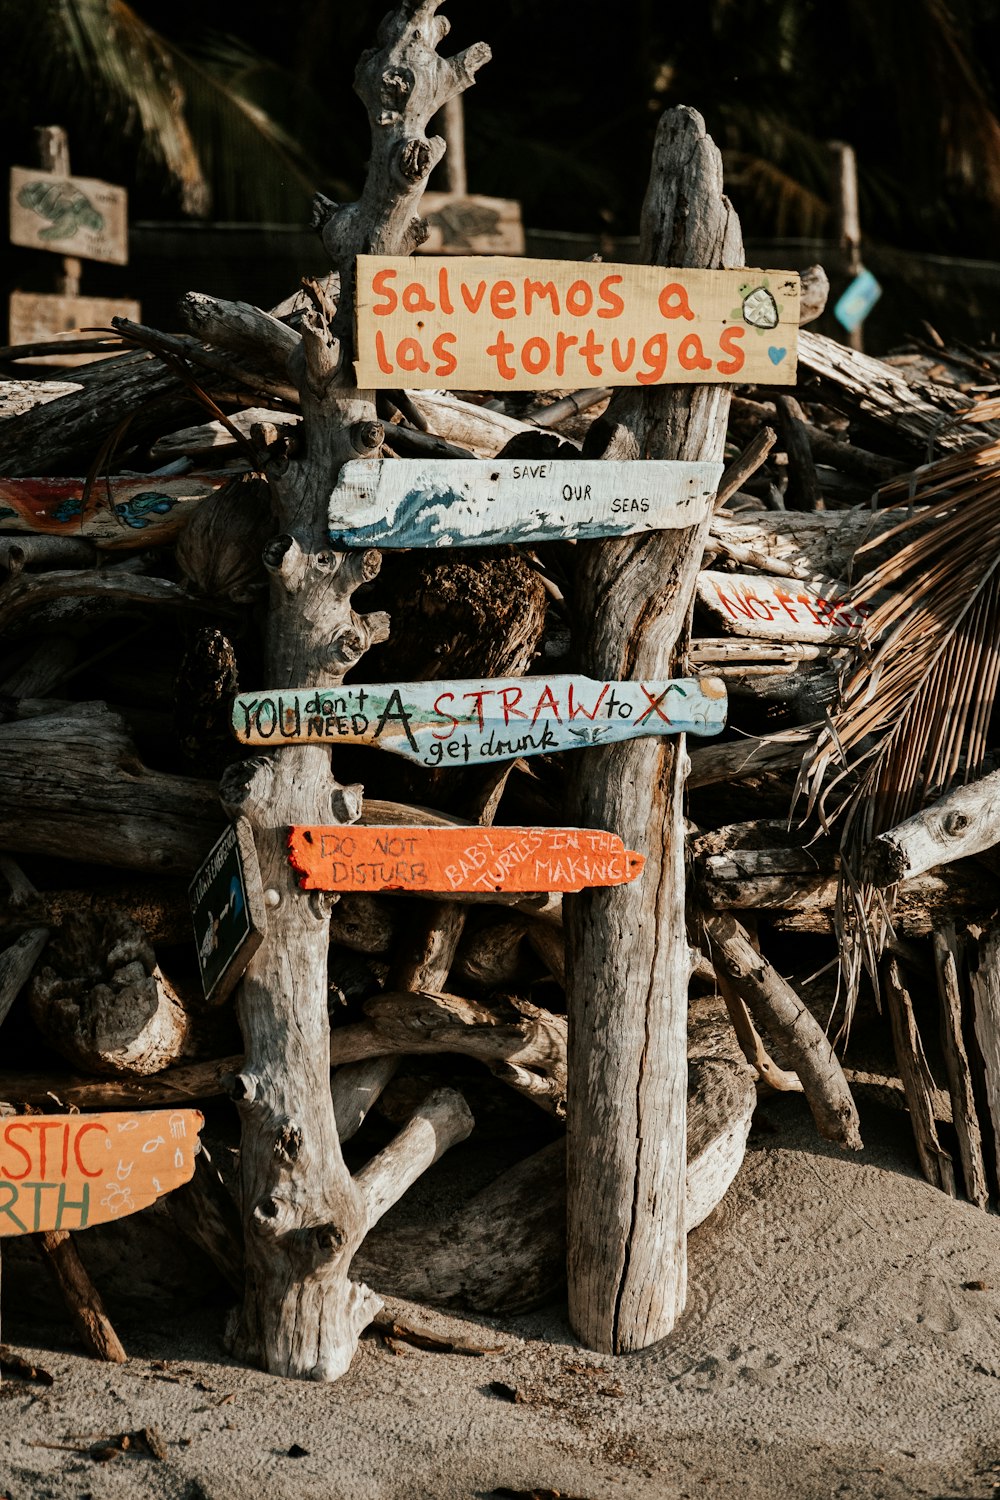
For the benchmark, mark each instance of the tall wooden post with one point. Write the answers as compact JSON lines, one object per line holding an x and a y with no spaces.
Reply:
{"x":628,"y":956}
{"x":847,"y":221}
{"x":53,"y":156}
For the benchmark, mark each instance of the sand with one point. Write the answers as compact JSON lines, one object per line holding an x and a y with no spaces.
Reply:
{"x":842,"y":1339}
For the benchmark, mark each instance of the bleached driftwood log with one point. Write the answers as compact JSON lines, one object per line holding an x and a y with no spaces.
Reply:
{"x":627,"y":951}
{"x":765,"y":866}
{"x":775,"y":1006}
{"x":305,"y":1216}
{"x":965,"y":822}
{"x":522,"y":1045}
{"x":964,"y":1110}
{"x":101,"y":1000}
{"x":795,"y":544}
{"x":927,"y":417}
{"x":505,"y":1250}
{"x":918,"y":1084}
{"x":984,"y":982}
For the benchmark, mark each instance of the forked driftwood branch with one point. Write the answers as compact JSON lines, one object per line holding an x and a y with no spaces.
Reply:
{"x":305,"y":1216}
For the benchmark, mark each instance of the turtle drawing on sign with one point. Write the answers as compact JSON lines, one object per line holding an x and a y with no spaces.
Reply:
{"x":461,"y":223}
{"x":758,"y":307}
{"x":65,"y":207}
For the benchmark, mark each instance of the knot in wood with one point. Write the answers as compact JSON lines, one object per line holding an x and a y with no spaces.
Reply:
{"x":367,"y":437}
{"x":956,"y":822}
{"x":330,"y":1237}
{"x":348,"y":646}
{"x":240,"y":1086}
{"x":397,"y":85}
{"x":288,"y":1143}
{"x":415,"y":160}
{"x":346,"y":802}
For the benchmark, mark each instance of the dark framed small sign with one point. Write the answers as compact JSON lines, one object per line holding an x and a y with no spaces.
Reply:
{"x":227,"y":908}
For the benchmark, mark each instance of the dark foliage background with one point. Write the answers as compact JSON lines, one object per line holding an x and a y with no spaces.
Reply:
{"x":259,"y":103}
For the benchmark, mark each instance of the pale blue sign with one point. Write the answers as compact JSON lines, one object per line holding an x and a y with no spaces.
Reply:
{"x":854,"y":304}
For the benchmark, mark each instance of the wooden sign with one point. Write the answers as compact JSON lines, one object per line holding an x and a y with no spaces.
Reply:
{"x":471,"y":226}
{"x":468,"y":324}
{"x":780,"y":609}
{"x":227,"y":908}
{"x":472,"y":721}
{"x":70,"y":215}
{"x":74,"y":1171}
{"x":469,"y":502}
{"x":443,"y":860}
{"x":119,"y":511}
{"x":38,"y":316}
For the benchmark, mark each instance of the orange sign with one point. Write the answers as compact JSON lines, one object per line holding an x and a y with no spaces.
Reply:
{"x":351,"y":858}
{"x":72,"y":1171}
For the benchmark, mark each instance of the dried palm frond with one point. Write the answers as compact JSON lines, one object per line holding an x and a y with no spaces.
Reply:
{"x":914,"y":707}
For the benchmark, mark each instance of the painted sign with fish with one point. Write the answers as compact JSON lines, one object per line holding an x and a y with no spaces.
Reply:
{"x":70,"y":215}
{"x":472,"y":722}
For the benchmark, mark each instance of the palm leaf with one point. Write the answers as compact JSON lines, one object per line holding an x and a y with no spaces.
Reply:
{"x":120,"y":75}
{"x":914,"y":707}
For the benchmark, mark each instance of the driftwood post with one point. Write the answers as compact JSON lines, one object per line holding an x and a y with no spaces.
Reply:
{"x":629,"y":961}
{"x":305,"y":1215}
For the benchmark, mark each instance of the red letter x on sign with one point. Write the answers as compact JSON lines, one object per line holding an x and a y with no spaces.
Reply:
{"x":654,"y":705}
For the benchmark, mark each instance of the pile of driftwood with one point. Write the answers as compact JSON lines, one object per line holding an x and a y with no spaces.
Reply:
{"x":147,"y":506}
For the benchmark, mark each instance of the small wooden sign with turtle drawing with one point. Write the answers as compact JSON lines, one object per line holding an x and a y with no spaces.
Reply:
{"x":70,"y":215}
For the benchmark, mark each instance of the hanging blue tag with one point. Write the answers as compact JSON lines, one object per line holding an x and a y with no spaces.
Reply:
{"x":854,"y":305}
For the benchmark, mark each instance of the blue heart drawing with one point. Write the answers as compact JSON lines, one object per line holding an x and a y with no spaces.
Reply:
{"x":776,"y":355}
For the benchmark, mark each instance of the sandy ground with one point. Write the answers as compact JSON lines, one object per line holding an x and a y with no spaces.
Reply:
{"x":842,"y":1339}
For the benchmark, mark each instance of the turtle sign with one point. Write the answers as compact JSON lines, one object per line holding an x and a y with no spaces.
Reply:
{"x":469,"y":502}
{"x":70,"y":215}
{"x":475,"y":323}
{"x":474,"y":860}
{"x":74,"y":1171}
{"x":472,"y":722}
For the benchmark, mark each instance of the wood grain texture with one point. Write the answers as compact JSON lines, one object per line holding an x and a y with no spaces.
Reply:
{"x":448,"y":860}
{"x":984,"y":982}
{"x":460,"y":723}
{"x":966,"y":821}
{"x":468,"y":502}
{"x":628,"y":956}
{"x":521,"y":324}
{"x":72,"y":1171}
{"x":964,"y":1111}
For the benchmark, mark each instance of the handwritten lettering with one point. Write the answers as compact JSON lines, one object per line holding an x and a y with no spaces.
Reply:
{"x":525,"y":324}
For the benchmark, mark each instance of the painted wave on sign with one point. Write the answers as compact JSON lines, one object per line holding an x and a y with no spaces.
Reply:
{"x":440,"y":515}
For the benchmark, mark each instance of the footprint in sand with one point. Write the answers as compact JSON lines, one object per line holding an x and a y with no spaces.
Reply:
{"x":936,"y":1309}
